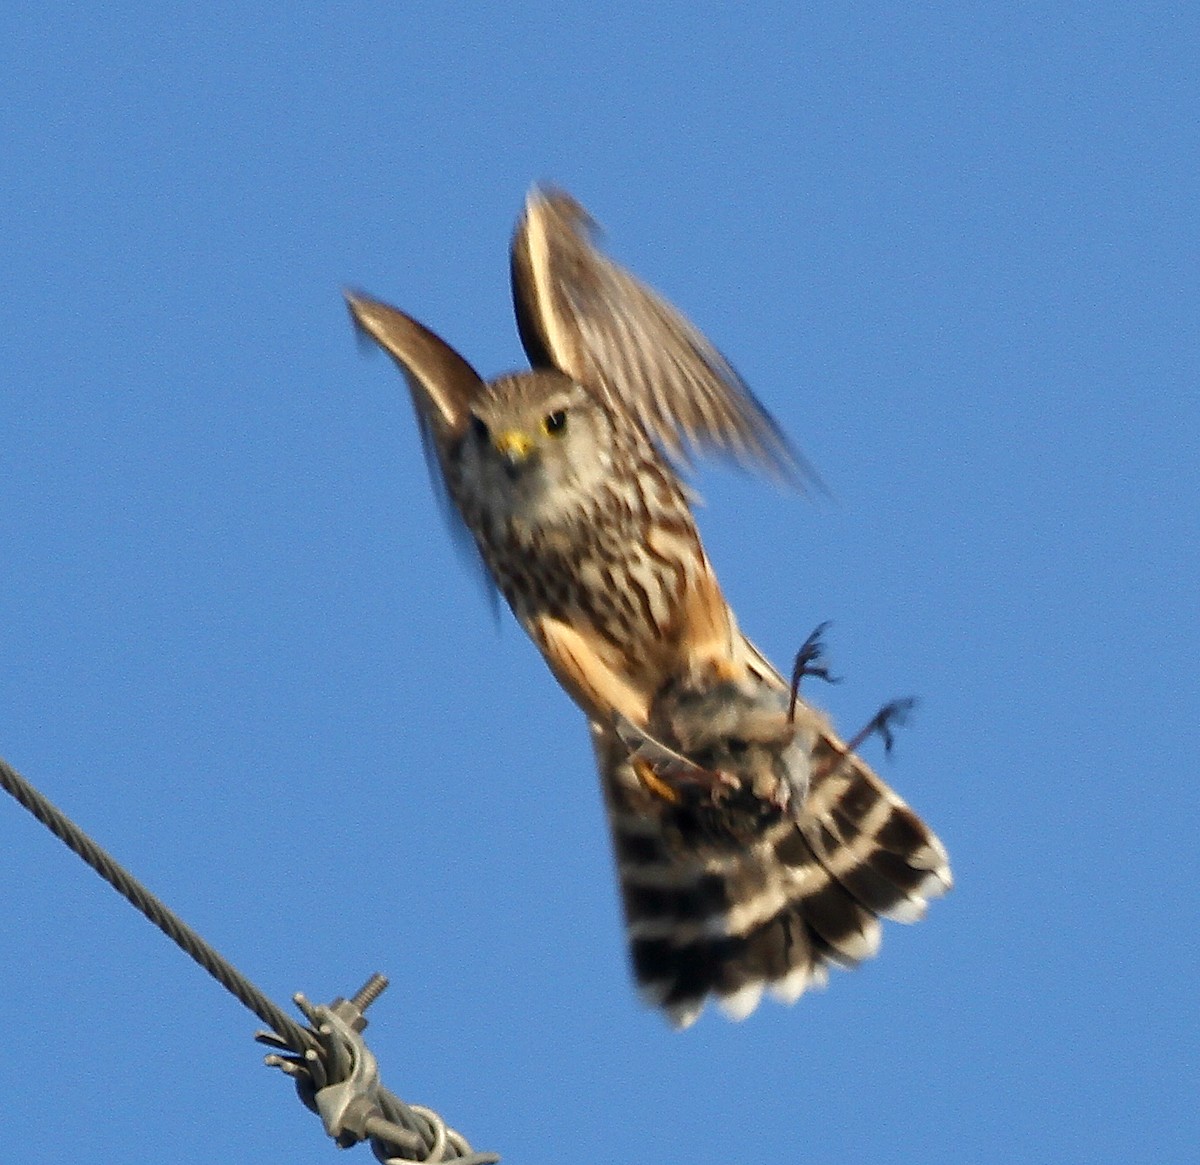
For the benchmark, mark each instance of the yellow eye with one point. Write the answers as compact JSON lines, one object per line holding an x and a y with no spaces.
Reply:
{"x":553,"y":424}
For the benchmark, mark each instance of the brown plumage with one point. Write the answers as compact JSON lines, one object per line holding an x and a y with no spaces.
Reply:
{"x":563,"y":478}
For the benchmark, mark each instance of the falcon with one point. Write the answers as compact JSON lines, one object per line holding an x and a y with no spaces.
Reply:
{"x":567,"y":479}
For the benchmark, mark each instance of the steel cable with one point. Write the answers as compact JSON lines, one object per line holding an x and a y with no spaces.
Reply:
{"x":321,"y":1056}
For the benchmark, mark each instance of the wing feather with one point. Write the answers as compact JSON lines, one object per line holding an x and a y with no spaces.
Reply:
{"x":442,"y":383}
{"x":580,"y":312}
{"x":442,"y":386}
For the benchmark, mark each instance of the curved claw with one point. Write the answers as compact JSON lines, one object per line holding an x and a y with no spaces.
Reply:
{"x":892,"y":714}
{"x":811,"y":650}
{"x":660,"y":768}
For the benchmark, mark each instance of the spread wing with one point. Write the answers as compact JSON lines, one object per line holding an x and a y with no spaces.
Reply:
{"x":580,"y":312}
{"x":441,"y":382}
{"x":442,"y":386}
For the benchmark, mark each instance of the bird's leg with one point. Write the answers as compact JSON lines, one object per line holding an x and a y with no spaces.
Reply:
{"x":892,"y":713}
{"x":811,"y":651}
{"x":895,"y":712}
{"x":676,"y":783}
{"x":663,"y":772}
{"x":653,"y":783}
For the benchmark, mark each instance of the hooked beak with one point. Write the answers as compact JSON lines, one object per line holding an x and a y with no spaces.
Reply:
{"x":514,"y":446}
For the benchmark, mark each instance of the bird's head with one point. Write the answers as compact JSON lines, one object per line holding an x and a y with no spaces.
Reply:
{"x":536,"y":446}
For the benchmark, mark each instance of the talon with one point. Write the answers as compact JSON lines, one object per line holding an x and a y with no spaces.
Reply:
{"x":893,"y":713}
{"x":645,"y":773}
{"x":811,"y":650}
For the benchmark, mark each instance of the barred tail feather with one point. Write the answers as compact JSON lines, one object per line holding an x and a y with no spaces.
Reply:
{"x":773,"y":913}
{"x":873,"y":829}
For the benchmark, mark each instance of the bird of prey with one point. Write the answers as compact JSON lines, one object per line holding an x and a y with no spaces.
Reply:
{"x":567,"y":479}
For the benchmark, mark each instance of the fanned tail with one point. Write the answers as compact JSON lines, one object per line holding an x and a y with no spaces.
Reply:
{"x":768,"y":902}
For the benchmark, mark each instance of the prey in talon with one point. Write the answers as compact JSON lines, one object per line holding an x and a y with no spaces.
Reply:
{"x":708,"y":732}
{"x":726,"y":755}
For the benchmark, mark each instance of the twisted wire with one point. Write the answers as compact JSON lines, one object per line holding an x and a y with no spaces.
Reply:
{"x":403,"y":1132}
{"x":156,"y":911}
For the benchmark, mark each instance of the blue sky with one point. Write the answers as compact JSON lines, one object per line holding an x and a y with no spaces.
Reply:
{"x":955,"y":251}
